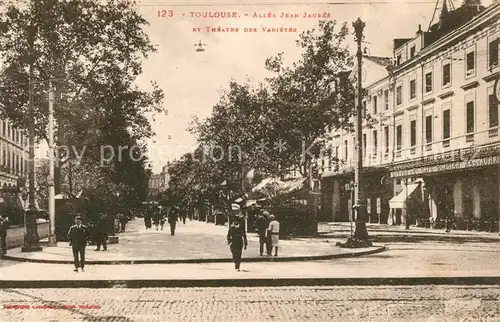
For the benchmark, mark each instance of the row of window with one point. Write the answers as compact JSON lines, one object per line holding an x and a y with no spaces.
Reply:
{"x":446,"y":77}
{"x":13,"y":134}
{"x":470,"y":113}
{"x":14,"y":162}
{"x":470,"y":57}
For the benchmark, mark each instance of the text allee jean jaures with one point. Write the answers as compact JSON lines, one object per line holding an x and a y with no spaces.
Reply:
{"x":267,"y":15}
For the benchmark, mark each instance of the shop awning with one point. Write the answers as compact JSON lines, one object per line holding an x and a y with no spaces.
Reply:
{"x":262,"y":184}
{"x":398,"y":201}
{"x":290,"y":186}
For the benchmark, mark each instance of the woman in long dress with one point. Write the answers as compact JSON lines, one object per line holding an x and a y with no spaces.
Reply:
{"x":273,"y":232}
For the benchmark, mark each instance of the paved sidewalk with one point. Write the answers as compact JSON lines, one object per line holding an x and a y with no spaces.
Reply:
{"x":343,"y":229}
{"x":404,"y":263}
{"x":194,"y":242}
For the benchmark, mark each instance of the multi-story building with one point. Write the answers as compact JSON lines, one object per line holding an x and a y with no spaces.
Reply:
{"x":159,"y":182}
{"x":337,"y":166}
{"x":165,"y":177}
{"x":432,"y":134}
{"x":154,"y":184}
{"x":13,"y":154}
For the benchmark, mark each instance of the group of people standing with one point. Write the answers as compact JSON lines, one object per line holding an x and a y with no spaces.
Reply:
{"x":159,"y":215}
{"x":268,"y":230}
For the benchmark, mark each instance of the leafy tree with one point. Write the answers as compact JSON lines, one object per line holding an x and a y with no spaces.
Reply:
{"x":91,"y":50}
{"x":310,"y":96}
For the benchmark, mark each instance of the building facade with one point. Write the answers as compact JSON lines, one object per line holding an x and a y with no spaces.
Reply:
{"x":159,"y":182}
{"x":14,"y":155}
{"x":432,"y":133}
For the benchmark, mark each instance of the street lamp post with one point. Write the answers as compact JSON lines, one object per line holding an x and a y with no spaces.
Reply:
{"x":360,"y":238}
{"x":52,"y":202}
{"x":31,"y":237}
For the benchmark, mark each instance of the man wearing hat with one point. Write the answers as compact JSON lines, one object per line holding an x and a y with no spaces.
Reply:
{"x":4,"y":222}
{"x":237,"y":239}
{"x":77,"y":236}
{"x":236,"y":214}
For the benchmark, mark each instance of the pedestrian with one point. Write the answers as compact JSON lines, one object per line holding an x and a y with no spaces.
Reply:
{"x":147,"y":219}
{"x":274,"y":235}
{"x":77,"y":236}
{"x":162,"y":218}
{"x":237,"y":241}
{"x":101,"y":232}
{"x":157,"y":217}
{"x":184,"y":215}
{"x":4,"y":223}
{"x":262,"y":225}
{"x":123,"y":221}
{"x":172,"y":219}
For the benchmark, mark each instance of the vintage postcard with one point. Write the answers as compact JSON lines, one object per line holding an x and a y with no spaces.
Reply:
{"x":252,"y":160}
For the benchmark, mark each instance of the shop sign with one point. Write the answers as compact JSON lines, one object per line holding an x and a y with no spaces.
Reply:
{"x":465,"y":154}
{"x":474,"y":163}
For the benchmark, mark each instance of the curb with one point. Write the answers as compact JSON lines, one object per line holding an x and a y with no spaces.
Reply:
{"x":376,"y":250}
{"x":373,"y":235}
{"x":277,"y":282}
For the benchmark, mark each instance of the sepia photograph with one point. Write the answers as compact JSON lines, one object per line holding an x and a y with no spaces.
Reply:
{"x":250,"y":160}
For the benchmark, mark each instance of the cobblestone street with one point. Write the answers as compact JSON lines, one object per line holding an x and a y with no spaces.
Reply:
{"x":419,"y":303}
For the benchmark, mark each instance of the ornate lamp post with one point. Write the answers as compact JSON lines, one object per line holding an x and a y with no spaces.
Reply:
{"x":31,"y":237}
{"x":360,"y":238}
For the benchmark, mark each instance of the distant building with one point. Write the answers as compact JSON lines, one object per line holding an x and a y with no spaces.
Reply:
{"x":165,"y":177}
{"x":154,"y":184}
{"x":13,"y":154}
{"x":159,"y":182}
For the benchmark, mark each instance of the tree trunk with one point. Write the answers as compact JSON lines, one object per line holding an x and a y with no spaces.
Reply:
{"x":57,"y":178}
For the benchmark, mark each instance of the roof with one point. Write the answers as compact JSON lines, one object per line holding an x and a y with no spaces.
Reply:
{"x":384,"y":61}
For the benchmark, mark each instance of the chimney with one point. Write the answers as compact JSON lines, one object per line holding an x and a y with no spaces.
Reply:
{"x":419,"y":31}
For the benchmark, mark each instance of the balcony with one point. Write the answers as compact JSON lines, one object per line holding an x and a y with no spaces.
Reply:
{"x":493,"y":133}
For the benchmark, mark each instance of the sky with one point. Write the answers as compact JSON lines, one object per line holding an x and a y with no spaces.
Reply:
{"x":192,"y":80}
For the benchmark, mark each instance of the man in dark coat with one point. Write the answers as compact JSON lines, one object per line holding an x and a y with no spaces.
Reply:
{"x":4,"y":223}
{"x":101,"y":232}
{"x":78,"y":235}
{"x":262,"y":225}
{"x":173,"y":215}
{"x":237,"y":239}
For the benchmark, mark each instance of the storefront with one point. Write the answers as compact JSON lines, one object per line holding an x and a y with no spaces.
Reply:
{"x":337,"y":192}
{"x":462,"y":184}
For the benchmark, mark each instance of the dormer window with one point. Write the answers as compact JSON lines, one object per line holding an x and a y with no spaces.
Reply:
{"x":412,"y":52}
{"x":398,"y":60}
